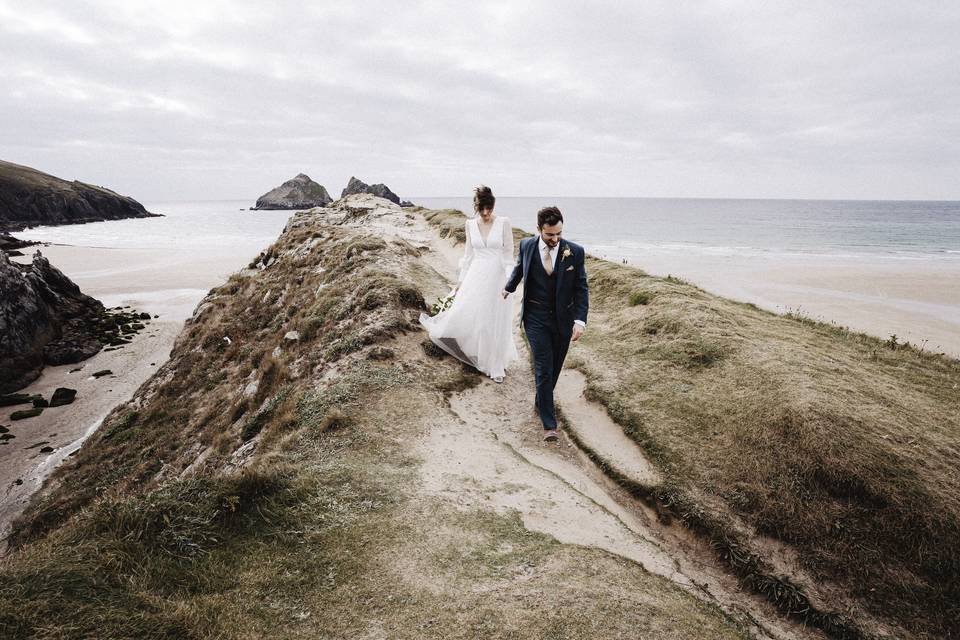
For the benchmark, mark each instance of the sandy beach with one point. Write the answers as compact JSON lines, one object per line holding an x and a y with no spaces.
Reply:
{"x":165,"y":283}
{"x":916,"y":300}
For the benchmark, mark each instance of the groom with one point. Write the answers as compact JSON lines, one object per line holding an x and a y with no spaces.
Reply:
{"x":554,"y":307}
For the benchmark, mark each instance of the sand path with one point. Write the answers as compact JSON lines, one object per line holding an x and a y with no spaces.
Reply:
{"x":490,"y":454}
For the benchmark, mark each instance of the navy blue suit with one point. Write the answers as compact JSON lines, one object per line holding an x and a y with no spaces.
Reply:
{"x":550,"y":305}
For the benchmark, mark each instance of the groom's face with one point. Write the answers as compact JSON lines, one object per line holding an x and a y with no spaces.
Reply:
{"x":551,"y":234}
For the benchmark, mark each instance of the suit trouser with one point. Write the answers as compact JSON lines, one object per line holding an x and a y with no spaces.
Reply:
{"x":549,"y":349}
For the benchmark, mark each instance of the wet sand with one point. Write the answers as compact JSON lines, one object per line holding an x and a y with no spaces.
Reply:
{"x":161,"y":282}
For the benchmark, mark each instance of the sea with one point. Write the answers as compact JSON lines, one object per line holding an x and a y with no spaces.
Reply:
{"x":885,"y":267}
{"x":635,"y":227}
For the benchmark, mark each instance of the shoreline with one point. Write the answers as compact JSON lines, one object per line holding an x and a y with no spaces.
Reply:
{"x":875,"y":297}
{"x":162,"y":282}
{"x":23,"y":467}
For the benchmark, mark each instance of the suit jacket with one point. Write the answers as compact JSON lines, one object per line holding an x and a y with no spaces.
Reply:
{"x":571,"y":281}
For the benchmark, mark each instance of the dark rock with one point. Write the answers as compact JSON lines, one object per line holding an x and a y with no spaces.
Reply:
{"x":299,"y":193}
{"x":11,"y":399}
{"x":29,"y":197}
{"x":380,"y":190}
{"x":156,"y":316}
{"x":3,"y":429}
{"x":18,"y":481}
{"x":46,"y":450}
{"x":62,"y":396}
{"x":44,"y":320}
{"x":37,"y":444}
{"x":6,"y":436}
{"x":26,"y":413}
{"x":40,"y":402}
{"x":103,"y":372}
{"x":145,"y":316}
{"x":407,"y":203}
{"x":10,"y":244}
{"x":136,"y":326}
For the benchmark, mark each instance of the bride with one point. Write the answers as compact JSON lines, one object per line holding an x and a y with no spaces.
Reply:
{"x":477,"y":327}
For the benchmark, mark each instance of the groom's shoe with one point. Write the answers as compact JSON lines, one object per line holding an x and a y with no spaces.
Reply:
{"x":550,"y":435}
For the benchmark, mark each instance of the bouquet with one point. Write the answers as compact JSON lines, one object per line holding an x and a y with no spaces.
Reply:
{"x":443,"y":303}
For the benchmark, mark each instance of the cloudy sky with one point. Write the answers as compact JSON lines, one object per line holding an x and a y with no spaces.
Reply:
{"x":210,"y":99}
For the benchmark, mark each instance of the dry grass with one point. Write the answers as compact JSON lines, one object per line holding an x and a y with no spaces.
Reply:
{"x":323,"y":533}
{"x":828,"y":440}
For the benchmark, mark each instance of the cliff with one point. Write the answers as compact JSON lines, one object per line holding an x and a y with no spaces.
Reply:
{"x":306,"y":441}
{"x":299,"y":192}
{"x":29,"y":198}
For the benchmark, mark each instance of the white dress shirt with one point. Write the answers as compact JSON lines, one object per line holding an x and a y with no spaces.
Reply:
{"x":541,"y":245}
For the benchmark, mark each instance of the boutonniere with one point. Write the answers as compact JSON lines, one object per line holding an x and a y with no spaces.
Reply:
{"x":566,"y":253}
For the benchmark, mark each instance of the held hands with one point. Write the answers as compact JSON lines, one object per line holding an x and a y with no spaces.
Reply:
{"x":577,"y":332}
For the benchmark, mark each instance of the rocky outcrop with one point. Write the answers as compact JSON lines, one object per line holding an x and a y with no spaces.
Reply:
{"x":11,"y":245}
{"x":299,"y":193}
{"x":359,"y":186}
{"x":29,"y":198}
{"x":46,"y":320}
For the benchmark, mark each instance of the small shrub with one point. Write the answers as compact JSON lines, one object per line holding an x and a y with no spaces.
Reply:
{"x":640,"y":298}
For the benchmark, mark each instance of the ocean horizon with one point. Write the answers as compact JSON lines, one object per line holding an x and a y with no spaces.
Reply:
{"x":885,"y":267}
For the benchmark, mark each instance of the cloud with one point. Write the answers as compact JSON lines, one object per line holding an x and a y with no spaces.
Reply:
{"x":225,"y":99}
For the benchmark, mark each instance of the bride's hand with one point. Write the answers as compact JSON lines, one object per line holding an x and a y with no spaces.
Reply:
{"x":505,"y":294}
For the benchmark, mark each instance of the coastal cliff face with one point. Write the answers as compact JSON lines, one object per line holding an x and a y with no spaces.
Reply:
{"x":355,"y":185}
{"x":299,"y":192}
{"x":44,"y":319}
{"x":29,"y":198}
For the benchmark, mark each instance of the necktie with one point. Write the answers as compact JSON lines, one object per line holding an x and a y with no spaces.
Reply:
{"x":547,"y":260}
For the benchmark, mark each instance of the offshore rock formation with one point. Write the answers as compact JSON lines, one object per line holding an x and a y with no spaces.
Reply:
{"x":298,"y":193}
{"x":29,"y":198}
{"x":380,"y":190}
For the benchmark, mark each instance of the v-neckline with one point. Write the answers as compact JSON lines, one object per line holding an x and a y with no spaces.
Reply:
{"x":480,"y":232}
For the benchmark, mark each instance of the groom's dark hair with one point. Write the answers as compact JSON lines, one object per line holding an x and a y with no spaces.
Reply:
{"x":548,"y":216}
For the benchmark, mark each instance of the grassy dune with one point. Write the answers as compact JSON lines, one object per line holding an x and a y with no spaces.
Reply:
{"x":264,"y":486}
{"x":820,"y":463}
{"x":840,"y":444}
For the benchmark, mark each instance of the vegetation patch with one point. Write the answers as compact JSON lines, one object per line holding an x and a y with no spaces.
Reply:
{"x":831,"y":441}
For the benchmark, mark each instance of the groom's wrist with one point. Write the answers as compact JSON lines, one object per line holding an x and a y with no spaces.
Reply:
{"x":581,"y":323}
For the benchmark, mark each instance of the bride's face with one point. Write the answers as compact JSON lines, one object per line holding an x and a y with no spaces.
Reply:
{"x":486,"y":214}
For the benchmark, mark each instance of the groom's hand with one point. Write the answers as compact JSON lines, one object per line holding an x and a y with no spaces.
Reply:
{"x":577,"y":332}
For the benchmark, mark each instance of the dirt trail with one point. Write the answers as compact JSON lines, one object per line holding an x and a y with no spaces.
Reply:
{"x":490,"y":454}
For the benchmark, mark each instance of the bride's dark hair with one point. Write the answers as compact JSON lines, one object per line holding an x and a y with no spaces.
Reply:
{"x":483,"y":198}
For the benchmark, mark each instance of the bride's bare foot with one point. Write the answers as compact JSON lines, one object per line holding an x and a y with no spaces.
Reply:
{"x":498,"y":379}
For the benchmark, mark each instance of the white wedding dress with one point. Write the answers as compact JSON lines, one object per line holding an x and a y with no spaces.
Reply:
{"x":477,"y":328}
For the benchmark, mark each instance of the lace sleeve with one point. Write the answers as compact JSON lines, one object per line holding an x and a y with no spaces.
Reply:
{"x":467,"y":254}
{"x":506,"y":256}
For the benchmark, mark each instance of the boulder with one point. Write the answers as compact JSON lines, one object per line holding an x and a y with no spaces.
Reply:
{"x":62,"y":396}
{"x":298,"y":193}
{"x":26,"y":413}
{"x":29,"y":197}
{"x":359,"y":186}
